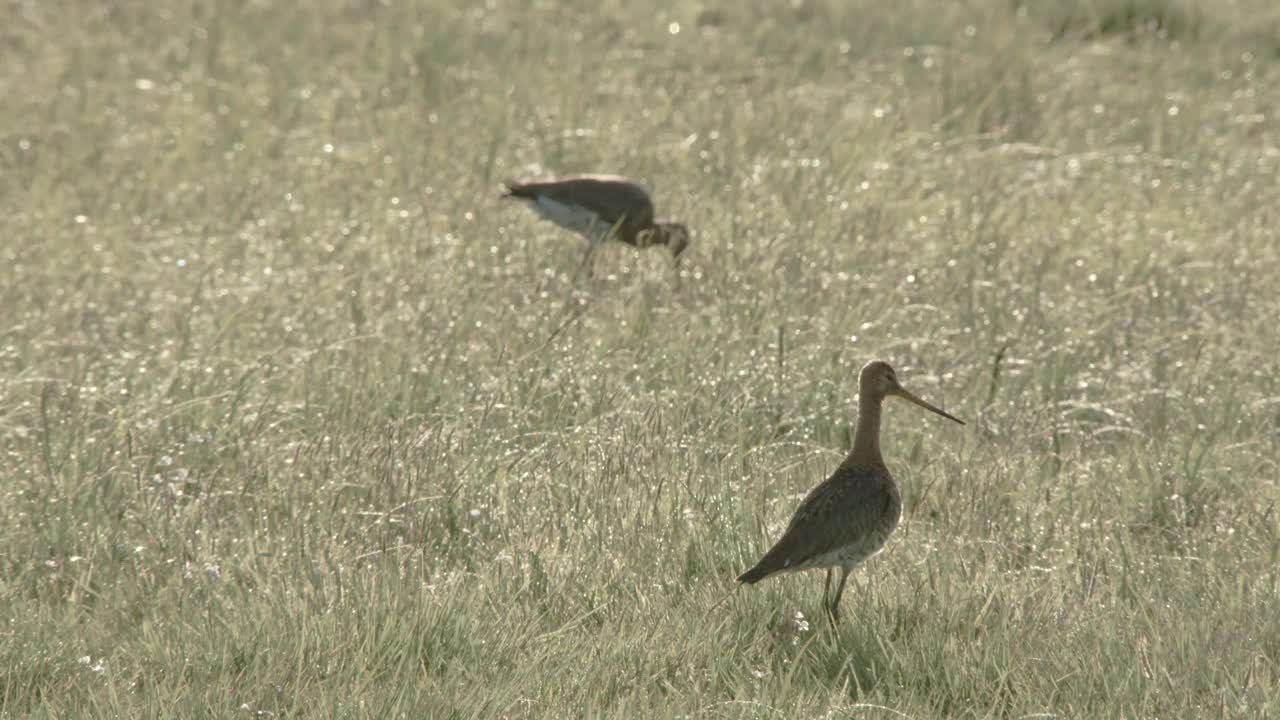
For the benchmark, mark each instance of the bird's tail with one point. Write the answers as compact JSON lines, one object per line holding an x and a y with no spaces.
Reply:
{"x":514,"y":189}
{"x":754,"y":575}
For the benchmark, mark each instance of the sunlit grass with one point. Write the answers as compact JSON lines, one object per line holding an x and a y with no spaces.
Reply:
{"x":298,"y":418}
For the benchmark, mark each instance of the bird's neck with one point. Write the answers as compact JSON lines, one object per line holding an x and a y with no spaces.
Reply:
{"x":866,"y":438}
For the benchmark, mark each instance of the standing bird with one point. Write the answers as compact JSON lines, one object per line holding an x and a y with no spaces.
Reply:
{"x":600,"y":207}
{"x":851,"y":515}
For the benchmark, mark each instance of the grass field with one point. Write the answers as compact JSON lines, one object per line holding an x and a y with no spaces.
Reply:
{"x":298,"y":419}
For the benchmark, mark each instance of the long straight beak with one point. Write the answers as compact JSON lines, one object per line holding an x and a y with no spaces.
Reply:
{"x":905,"y":395}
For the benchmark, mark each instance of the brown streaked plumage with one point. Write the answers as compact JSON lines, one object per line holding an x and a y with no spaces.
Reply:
{"x":851,"y":515}
{"x":600,"y":207}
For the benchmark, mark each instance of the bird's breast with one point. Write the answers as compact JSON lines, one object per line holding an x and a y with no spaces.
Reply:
{"x":851,"y":553}
{"x":572,"y":217}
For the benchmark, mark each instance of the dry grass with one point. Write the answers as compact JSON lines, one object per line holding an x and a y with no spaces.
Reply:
{"x":298,"y":419}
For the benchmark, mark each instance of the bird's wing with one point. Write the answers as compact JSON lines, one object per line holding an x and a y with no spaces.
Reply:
{"x":613,"y":199}
{"x":848,"y":507}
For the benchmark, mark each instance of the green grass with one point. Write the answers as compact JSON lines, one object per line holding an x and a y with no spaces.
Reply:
{"x":298,"y":419}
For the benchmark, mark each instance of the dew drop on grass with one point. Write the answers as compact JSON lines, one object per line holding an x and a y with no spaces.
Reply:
{"x":802,"y":625}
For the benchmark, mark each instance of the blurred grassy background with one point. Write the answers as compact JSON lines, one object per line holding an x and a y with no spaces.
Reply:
{"x":297,"y":418}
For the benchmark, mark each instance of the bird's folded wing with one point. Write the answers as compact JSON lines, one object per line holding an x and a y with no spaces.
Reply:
{"x":847,"y":509}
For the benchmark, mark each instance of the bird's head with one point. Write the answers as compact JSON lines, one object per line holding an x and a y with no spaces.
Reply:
{"x":674,"y":235}
{"x":878,"y":379}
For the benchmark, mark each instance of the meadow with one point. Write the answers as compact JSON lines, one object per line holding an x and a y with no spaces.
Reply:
{"x":299,"y":419}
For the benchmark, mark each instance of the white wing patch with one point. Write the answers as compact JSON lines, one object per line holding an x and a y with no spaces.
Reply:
{"x":573,"y":217}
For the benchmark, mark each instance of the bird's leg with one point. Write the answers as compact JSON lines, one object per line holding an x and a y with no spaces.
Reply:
{"x":596,"y":234}
{"x":586,"y":259}
{"x":826,"y":589}
{"x":834,"y":608}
